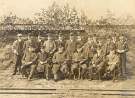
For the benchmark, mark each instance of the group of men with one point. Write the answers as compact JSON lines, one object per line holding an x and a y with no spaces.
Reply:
{"x":73,"y":58}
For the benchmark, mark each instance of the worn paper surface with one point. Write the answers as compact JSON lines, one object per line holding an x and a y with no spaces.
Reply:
{"x":119,"y":13}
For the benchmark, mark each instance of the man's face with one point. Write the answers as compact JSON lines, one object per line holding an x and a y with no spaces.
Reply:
{"x":30,"y":38}
{"x":79,"y":38}
{"x":89,"y":40}
{"x":31,"y":49}
{"x":42,"y":49}
{"x":71,"y":37}
{"x":112,"y":52}
{"x":79,"y":49}
{"x":60,"y":38}
{"x":94,"y":39}
{"x":19,"y":37}
{"x":49,"y":38}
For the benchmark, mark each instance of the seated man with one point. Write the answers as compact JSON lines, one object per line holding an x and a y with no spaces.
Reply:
{"x":98,"y":64}
{"x":79,"y":66}
{"x":58,"y":59}
{"x":29,"y":62}
{"x":113,"y":63}
{"x":42,"y":63}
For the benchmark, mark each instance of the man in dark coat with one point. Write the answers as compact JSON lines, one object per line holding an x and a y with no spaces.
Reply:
{"x":122,"y":49}
{"x":18,"y":51}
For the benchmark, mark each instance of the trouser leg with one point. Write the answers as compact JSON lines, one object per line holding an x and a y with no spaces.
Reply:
{"x":55,"y":71}
{"x":47,"y":73}
{"x":33,"y":67}
{"x":15,"y":69}
{"x":18,"y":64}
{"x":123,"y":63}
{"x":121,"y":71}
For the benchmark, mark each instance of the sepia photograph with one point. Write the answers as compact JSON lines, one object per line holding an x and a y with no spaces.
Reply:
{"x":67,"y":49}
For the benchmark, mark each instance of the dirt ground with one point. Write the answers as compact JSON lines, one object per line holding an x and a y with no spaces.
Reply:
{"x":65,"y":88}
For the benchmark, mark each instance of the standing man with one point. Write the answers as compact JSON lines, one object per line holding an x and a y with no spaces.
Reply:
{"x":70,"y":46}
{"x":107,"y":46}
{"x":60,"y":42}
{"x":30,"y":61}
{"x":39,"y":43}
{"x":79,"y":40}
{"x":114,"y":41}
{"x":58,"y":60}
{"x":18,"y":52}
{"x":94,"y":41}
{"x":88,"y":49}
{"x":27,"y":43}
{"x":49,"y":45}
{"x":122,"y":49}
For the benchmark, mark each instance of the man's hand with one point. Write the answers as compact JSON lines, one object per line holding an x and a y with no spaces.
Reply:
{"x":94,"y":65}
{"x":120,"y":51}
{"x":98,"y":65}
{"x":51,"y":52}
{"x":41,"y":62}
{"x":15,"y":52}
{"x":29,"y":62}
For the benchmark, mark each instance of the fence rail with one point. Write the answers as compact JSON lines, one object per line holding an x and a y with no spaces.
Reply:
{"x":41,"y":27}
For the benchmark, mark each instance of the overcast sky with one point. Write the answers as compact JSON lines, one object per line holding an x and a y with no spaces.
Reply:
{"x":93,"y":8}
